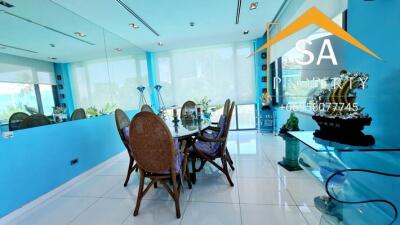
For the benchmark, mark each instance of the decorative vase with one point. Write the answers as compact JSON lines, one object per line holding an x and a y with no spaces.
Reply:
{"x":292,"y":149}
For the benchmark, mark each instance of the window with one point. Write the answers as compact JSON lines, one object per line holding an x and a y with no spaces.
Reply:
{"x":114,"y":81}
{"x":22,"y":80}
{"x":46,"y":93}
{"x":218,"y":72}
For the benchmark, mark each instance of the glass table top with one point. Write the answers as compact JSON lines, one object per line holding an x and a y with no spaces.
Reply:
{"x":186,"y":127}
{"x":321,"y":145}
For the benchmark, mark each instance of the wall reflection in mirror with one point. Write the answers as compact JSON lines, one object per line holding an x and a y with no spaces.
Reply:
{"x":58,"y":66}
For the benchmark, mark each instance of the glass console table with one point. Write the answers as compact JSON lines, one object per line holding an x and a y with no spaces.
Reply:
{"x":363,"y":183}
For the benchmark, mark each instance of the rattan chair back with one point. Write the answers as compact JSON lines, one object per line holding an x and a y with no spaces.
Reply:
{"x":227,"y":107}
{"x":189,"y":107}
{"x":35,"y":120}
{"x":78,"y":114}
{"x":15,"y":120}
{"x":122,"y":120}
{"x":146,"y":108}
{"x":153,"y":143}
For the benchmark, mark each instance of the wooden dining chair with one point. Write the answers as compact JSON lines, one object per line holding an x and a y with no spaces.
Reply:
{"x":212,"y":131}
{"x":188,"y":106}
{"x":15,"y":120}
{"x":209,"y":149}
{"x":35,"y":120}
{"x":78,"y":114}
{"x":122,"y":121}
{"x":146,"y":108}
{"x":156,"y":156}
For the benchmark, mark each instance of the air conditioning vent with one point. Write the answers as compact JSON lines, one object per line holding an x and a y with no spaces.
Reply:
{"x":6,"y":4}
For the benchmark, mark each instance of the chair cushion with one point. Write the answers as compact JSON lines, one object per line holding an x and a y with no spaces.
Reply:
{"x":178,"y":159}
{"x":125,"y":131}
{"x":211,"y":148}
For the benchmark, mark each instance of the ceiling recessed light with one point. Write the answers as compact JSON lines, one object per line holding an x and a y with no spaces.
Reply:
{"x":253,"y":5}
{"x":118,"y":49}
{"x":246,"y":32}
{"x":160,"y":43}
{"x":191,"y":24}
{"x":80,"y":34}
{"x":134,"y":26}
{"x":52,"y":58}
{"x":52,"y":45}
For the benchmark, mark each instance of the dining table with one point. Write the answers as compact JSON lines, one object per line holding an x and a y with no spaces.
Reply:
{"x":182,"y":129}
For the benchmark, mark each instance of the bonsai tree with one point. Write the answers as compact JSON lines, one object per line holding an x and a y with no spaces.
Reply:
{"x":292,"y":124}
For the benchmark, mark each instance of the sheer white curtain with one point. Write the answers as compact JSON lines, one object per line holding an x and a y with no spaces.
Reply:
{"x":218,"y":72}
{"x":15,"y":69}
{"x":98,"y":82}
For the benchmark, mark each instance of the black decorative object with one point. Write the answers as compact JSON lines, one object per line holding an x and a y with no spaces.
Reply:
{"x":59,"y":77}
{"x":60,"y":86}
{"x":338,"y":115}
{"x":346,"y":131}
{"x":264,"y":67}
{"x":264,"y":79}
{"x":264,"y":55}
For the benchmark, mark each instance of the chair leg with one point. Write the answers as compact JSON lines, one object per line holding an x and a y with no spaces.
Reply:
{"x":140,"y":193}
{"x":130,"y":169}
{"x":226,"y":171}
{"x":188,"y":180}
{"x":176,"y":197}
{"x":230,"y":160}
{"x":193,"y":175}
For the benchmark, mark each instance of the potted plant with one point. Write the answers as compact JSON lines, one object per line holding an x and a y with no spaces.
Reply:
{"x":92,"y":111}
{"x":59,"y":114}
{"x":108,"y":109}
{"x":292,"y":147}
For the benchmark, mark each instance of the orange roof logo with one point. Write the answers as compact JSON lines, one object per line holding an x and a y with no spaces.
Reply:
{"x":315,"y":16}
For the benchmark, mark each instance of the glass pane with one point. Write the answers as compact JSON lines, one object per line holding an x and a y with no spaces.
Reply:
{"x":233,"y":121}
{"x":46,"y":92}
{"x":247,"y":116}
{"x":15,"y":97}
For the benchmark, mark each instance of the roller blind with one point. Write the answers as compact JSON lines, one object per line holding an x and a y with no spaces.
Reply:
{"x":15,"y":69}
{"x":102,"y":81}
{"x":218,"y":72}
{"x":292,"y":11}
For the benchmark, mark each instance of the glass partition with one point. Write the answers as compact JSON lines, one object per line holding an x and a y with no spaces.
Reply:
{"x":105,"y":68}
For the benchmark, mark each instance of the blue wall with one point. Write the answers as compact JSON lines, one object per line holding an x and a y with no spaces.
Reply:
{"x":64,"y":70}
{"x":376,"y":24}
{"x":37,"y":160}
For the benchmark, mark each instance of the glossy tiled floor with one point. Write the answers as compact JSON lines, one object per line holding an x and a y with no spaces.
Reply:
{"x":264,"y":193}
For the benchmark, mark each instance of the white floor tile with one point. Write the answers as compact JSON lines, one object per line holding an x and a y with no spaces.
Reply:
{"x":155,"y":212}
{"x":212,"y":213}
{"x":255,"y":168}
{"x":271,"y":215}
{"x":263,"y":191}
{"x":115,"y":168}
{"x":303,"y":191}
{"x":94,"y":186}
{"x":311,"y":214}
{"x":215,"y":189}
{"x":106,"y":212}
{"x":58,"y":210}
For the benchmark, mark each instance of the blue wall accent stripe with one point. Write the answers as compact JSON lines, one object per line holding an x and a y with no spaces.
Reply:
{"x":151,"y":67}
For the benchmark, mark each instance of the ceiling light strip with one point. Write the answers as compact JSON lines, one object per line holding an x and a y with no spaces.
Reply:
{"x":137,"y":16}
{"x":239,"y":5}
{"x":49,"y":28}
{"x":21,"y":49}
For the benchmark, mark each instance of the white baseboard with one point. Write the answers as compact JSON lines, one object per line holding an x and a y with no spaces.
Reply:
{"x":40,"y":200}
